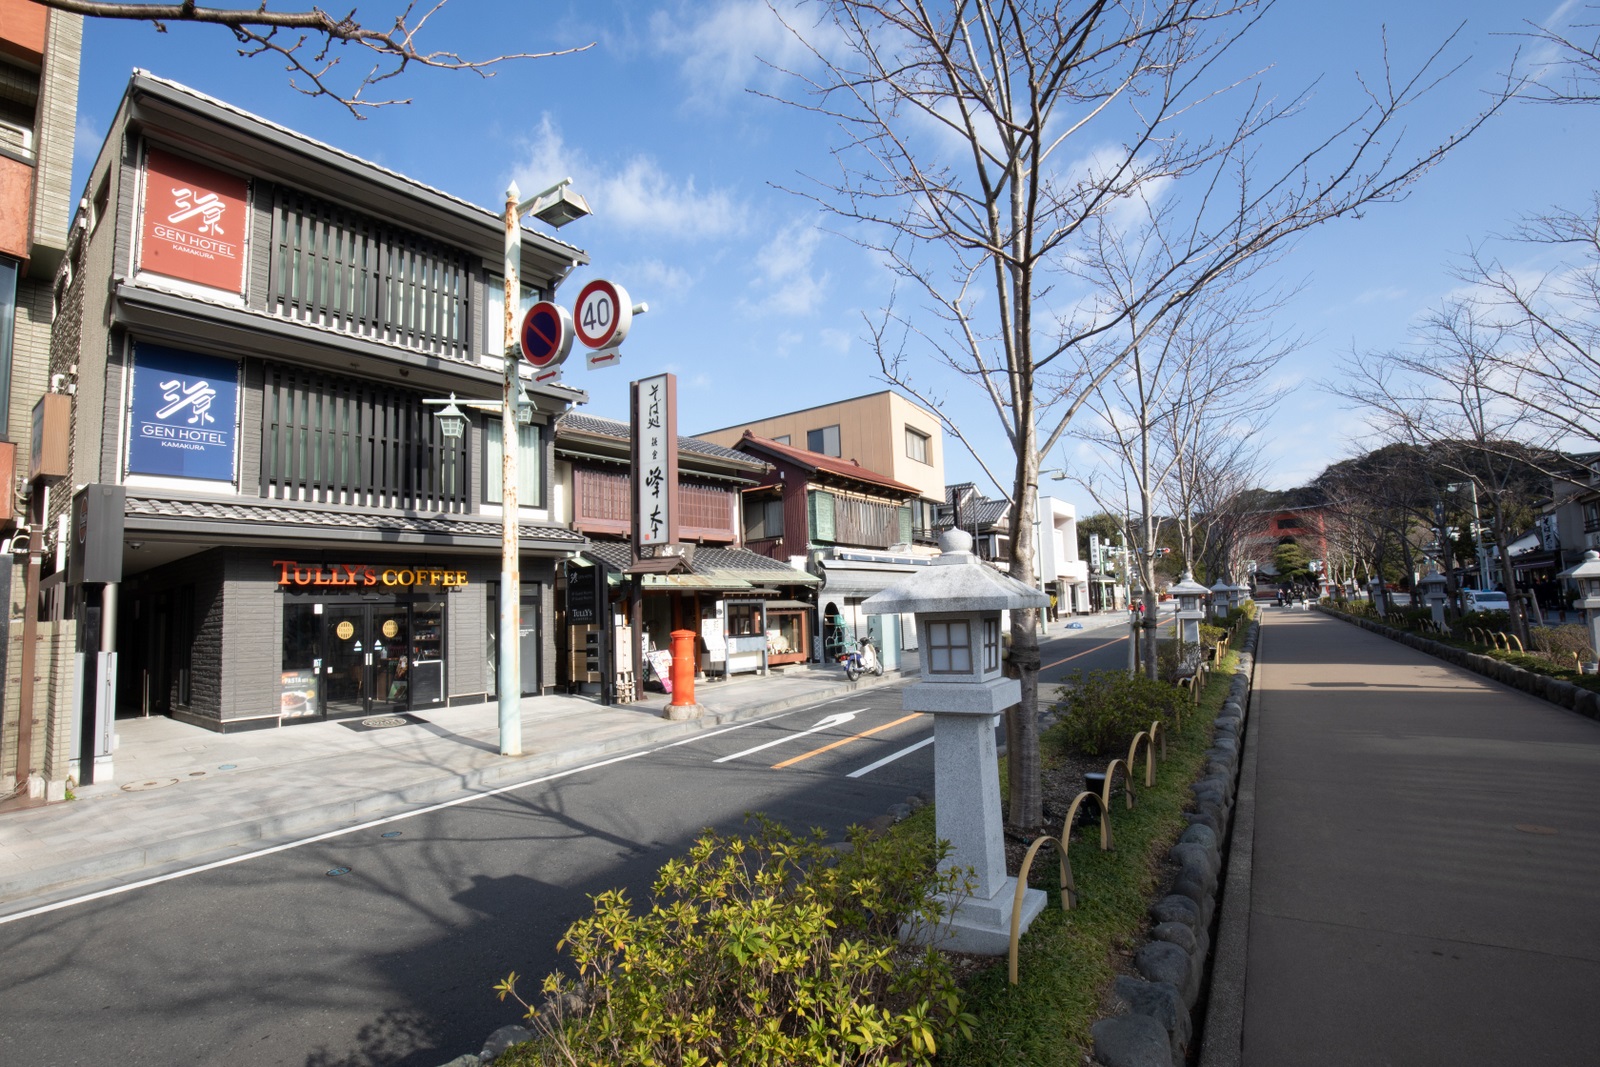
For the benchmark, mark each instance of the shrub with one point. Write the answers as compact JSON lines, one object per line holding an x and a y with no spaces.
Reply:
{"x":1100,"y":711}
{"x":765,"y":949}
{"x":1173,"y":661}
{"x":1485,"y":620}
{"x":1558,"y":643}
{"x":1210,"y":635}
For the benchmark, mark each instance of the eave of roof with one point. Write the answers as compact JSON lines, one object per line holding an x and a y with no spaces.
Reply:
{"x":816,"y":461}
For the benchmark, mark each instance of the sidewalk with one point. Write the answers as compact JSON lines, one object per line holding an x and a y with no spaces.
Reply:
{"x":183,"y":793}
{"x":1413,"y":871}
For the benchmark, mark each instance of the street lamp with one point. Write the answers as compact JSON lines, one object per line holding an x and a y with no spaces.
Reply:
{"x":1057,"y":474}
{"x":1477,"y":530}
{"x":555,"y":206}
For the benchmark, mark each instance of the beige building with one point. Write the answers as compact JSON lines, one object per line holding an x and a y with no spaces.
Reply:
{"x":883,"y":432}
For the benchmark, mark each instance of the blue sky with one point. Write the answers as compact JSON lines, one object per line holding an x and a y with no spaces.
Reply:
{"x":754,"y":302}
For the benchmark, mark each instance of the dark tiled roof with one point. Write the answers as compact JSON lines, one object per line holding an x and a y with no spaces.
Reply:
{"x":727,"y":562}
{"x":288,"y":515}
{"x":620,"y":431}
{"x":831,"y":464}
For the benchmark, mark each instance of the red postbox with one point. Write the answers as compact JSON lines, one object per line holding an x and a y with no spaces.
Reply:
{"x":683,"y":656}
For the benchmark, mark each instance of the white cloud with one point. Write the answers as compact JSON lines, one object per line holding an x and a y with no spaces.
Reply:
{"x":721,"y":47}
{"x":834,"y":340}
{"x":638,"y":195}
{"x":86,"y":138}
{"x":655,"y":277}
{"x":787,"y":283}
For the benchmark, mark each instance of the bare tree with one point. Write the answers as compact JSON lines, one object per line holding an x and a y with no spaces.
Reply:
{"x":306,"y":41}
{"x":959,"y":124}
{"x":1453,"y":395}
{"x":1166,"y":412}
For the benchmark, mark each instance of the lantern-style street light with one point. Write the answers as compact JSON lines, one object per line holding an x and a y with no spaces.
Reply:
{"x":1586,"y":576}
{"x":957,"y":603}
{"x":1190,"y":593}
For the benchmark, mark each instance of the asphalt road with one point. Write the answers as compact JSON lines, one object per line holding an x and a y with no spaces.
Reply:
{"x":278,"y":960}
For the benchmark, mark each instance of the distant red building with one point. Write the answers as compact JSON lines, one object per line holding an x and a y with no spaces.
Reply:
{"x":1264,"y":531}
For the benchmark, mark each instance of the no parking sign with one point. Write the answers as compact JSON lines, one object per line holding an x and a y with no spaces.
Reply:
{"x":545,"y":336}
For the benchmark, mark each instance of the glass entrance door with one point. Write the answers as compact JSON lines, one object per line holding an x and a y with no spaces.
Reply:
{"x":368,"y":661}
{"x":347,"y":680}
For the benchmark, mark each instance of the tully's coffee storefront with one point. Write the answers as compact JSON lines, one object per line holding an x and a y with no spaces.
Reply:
{"x":359,"y":638}
{"x":233,"y":639}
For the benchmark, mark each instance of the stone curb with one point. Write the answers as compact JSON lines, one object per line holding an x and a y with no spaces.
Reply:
{"x":1562,"y":694}
{"x":1157,"y":1026}
{"x":277,"y":827}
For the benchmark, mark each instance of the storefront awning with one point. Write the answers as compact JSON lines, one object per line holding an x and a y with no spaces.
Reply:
{"x":693,"y":582}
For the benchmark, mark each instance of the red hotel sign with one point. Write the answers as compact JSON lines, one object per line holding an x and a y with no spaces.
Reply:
{"x":346,"y":575}
{"x":194,"y":222}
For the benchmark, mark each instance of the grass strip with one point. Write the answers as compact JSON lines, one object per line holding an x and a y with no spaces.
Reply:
{"x":1065,"y":962}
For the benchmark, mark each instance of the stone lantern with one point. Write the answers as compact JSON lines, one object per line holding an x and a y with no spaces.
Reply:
{"x":1586,"y":576}
{"x":1190,"y":594}
{"x":1377,"y":597}
{"x":1432,"y":592}
{"x":1222,"y":598}
{"x":957,"y":602}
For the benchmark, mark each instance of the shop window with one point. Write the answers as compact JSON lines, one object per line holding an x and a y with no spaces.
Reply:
{"x":949,"y":647}
{"x":530,"y":461}
{"x":744,"y":620}
{"x":763,"y":519}
{"x":825,"y":440}
{"x":917,"y":445}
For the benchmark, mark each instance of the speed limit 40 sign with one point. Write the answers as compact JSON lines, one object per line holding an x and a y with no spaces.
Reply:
{"x":603,"y":314}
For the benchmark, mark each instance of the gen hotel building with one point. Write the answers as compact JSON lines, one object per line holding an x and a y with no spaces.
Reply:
{"x":258,"y":522}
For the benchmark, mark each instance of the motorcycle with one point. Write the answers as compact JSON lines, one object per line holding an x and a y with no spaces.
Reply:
{"x":861,"y":661}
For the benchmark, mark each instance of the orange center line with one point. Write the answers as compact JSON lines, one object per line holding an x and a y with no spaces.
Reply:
{"x":1085,"y":652}
{"x":846,"y":741}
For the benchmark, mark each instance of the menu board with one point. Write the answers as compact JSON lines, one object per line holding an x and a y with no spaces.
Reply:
{"x":297,"y":694}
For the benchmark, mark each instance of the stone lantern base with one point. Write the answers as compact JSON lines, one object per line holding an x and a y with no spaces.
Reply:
{"x":967,"y":812}
{"x":983,"y":927}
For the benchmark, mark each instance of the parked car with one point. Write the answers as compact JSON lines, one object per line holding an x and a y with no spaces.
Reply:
{"x":1485,"y":600}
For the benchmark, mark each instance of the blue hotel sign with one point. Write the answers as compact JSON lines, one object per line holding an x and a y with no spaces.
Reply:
{"x":184,"y":416}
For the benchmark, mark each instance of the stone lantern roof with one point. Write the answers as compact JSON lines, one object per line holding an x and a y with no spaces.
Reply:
{"x":1188,"y":587}
{"x":955,"y":581}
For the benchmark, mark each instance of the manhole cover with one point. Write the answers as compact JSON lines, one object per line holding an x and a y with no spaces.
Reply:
{"x":391,"y":833}
{"x":1532,"y":828}
{"x":380,"y":722}
{"x":337,"y":871}
{"x":153,"y":783}
{"x":227,"y":766}
{"x":197,"y":774}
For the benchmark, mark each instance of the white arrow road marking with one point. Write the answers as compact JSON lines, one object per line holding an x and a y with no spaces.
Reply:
{"x":885,"y":761}
{"x":836,"y":719}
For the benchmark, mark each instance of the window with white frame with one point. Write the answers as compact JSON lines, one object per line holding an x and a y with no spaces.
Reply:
{"x":917,"y":445}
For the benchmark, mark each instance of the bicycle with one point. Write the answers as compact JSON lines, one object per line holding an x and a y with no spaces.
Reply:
{"x":862,"y":660}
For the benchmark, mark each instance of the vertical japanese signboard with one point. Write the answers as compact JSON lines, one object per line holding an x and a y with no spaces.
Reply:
{"x":655,"y":461}
{"x":183,"y":417}
{"x":194,"y":222}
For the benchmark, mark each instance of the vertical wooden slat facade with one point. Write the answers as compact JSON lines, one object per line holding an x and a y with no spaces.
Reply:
{"x":338,"y":441}
{"x":336,"y":269}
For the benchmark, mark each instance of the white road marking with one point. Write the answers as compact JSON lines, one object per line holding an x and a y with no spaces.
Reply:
{"x":328,"y":835}
{"x":836,"y":719}
{"x":885,"y":761}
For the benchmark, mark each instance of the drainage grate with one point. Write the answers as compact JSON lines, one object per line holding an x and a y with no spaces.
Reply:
{"x":154,"y":783}
{"x":382,"y":722}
